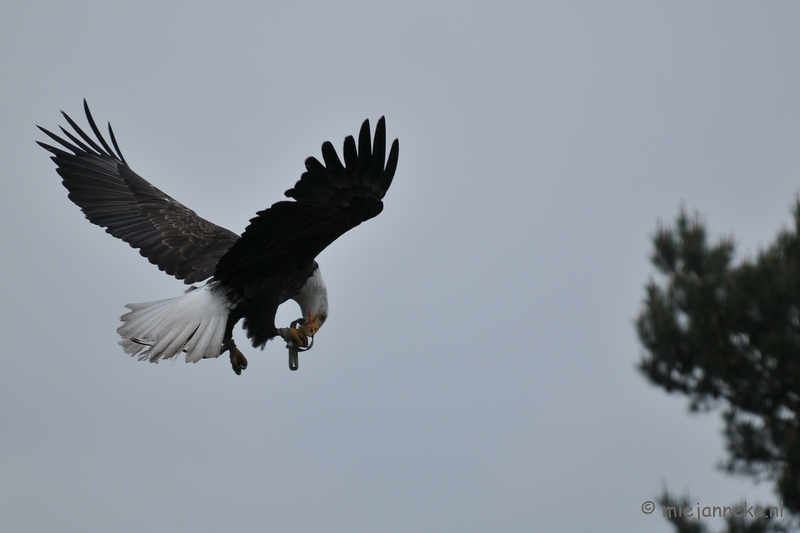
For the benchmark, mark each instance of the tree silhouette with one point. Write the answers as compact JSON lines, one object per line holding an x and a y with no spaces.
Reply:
{"x":727,"y":335}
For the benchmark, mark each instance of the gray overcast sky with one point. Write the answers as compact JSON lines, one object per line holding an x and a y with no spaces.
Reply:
{"x":477,"y":372}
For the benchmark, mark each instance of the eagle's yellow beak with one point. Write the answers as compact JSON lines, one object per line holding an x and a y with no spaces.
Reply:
{"x":312,"y":324}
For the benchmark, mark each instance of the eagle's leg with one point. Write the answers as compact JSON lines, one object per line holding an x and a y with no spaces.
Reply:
{"x":238,"y":360}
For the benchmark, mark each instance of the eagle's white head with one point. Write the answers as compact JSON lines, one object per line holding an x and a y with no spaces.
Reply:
{"x":313,"y":302}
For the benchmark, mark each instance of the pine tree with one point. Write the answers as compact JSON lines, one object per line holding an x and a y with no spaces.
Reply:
{"x":726,"y":334}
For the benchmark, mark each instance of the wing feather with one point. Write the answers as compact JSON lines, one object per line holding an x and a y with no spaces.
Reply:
{"x":329,"y":200}
{"x":364,"y":154}
{"x":96,"y":131}
{"x":378,"y":151}
{"x":350,"y":152}
{"x":113,"y":196}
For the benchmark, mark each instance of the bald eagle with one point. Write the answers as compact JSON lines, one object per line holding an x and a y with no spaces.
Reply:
{"x":248,"y":277}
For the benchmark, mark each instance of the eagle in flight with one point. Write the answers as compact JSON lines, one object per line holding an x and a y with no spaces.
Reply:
{"x":248,"y":277}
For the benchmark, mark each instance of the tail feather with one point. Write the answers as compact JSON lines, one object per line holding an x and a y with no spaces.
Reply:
{"x":193,"y":323}
{"x":206,"y":344}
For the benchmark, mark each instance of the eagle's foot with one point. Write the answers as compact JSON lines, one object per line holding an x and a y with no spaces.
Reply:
{"x":299,"y":338}
{"x":238,"y":360}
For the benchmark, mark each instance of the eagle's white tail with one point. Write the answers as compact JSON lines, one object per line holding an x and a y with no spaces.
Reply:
{"x":194,"y":323}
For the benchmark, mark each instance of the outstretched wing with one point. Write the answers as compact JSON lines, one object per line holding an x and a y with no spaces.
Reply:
{"x":113,"y":196}
{"x":330,"y":199}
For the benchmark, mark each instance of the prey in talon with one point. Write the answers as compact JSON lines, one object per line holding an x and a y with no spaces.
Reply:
{"x":230,"y":277}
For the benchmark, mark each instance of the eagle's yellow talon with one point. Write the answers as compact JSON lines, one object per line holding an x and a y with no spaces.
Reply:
{"x":238,"y":360}
{"x":298,"y":337}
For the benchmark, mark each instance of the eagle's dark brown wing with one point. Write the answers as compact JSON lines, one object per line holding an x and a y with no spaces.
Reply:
{"x":113,"y":196}
{"x":330,"y":199}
